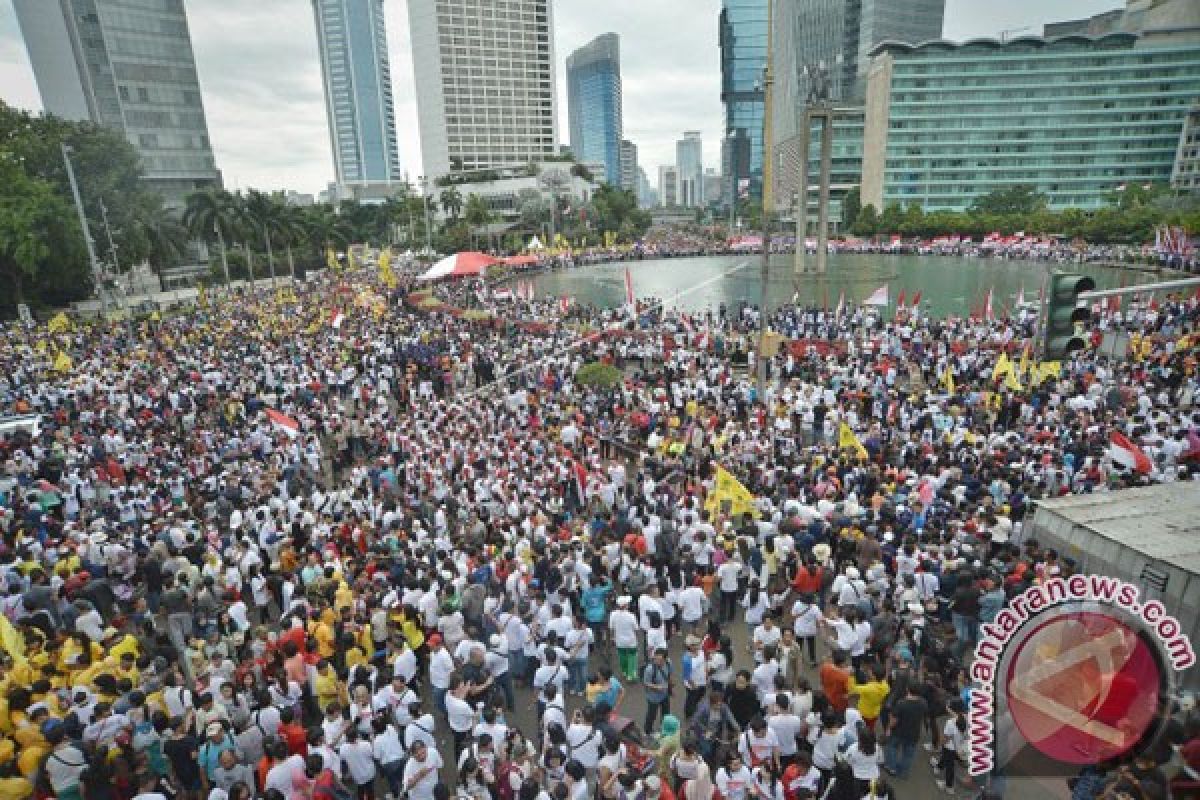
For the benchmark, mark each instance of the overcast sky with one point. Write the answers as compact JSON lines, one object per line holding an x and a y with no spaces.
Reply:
{"x":262,"y":85}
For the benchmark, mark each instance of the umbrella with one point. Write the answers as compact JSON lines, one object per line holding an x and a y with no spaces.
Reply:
{"x":459,"y":265}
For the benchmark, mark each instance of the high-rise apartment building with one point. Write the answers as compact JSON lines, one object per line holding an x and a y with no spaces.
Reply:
{"x":594,"y":104}
{"x":668,"y":186}
{"x":127,"y":65}
{"x":1074,"y":118}
{"x":629,"y":165}
{"x":1185,"y":174}
{"x":689,"y":163}
{"x":485,"y":82}
{"x":352,"y":41}
{"x":743,"y":41}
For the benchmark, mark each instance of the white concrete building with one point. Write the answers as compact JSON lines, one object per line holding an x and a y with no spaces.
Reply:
{"x":485,"y":78}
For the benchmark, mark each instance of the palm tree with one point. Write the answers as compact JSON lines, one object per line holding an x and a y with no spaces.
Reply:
{"x":325,"y":228}
{"x":478,"y":214}
{"x":452,"y":201}
{"x":290,"y":229}
{"x":263,"y":211}
{"x":212,"y":212}
{"x":166,"y":237}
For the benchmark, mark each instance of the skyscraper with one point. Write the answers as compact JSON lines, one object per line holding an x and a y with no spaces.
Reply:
{"x":629,"y":165}
{"x":352,"y":42}
{"x":908,"y":21}
{"x":743,"y":40}
{"x":126,"y":65}
{"x":689,"y":162}
{"x":668,"y":186}
{"x":594,"y":104}
{"x":485,"y":83}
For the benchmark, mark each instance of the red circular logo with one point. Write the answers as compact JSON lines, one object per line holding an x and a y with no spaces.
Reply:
{"x":1083,"y":687}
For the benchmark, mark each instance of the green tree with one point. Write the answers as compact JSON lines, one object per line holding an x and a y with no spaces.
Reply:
{"x":37,"y":229}
{"x":851,"y":205}
{"x":212,"y":215}
{"x":477,"y":214}
{"x":867,"y":221}
{"x":264,"y":213}
{"x":891,"y":218}
{"x":164,"y":233}
{"x":452,"y":202}
{"x":1020,"y":199}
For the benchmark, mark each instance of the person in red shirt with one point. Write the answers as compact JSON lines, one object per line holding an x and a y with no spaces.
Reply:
{"x":835,"y":681}
{"x":293,"y":733}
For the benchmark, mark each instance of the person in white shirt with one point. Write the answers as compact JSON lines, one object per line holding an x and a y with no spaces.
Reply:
{"x":785,"y":725}
{"x":421,"y":771}
{"x":765,"y":635}
{"x":459,"y":713}
{"x":692,"y":605}
{"x":864,"y":758}
{"x":287,"y":776}
{"x":388,"y":751}
{"x":624,"y":627}
{"x":759,"y":744}
{"x":734,"y":780}
{"x":441,"y":667}
{"x":728,"y":575}
{"x":421,"y":729}
{"x":359,"y":757}
{"x":552,"y":672}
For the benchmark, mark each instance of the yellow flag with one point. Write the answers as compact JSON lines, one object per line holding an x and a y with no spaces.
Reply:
{"x":386,"y":275}
{"x":351,"y":261}
{"x":948,"y":380}
{"x":202,"y":297}
{"x":848,"y":441}
{"x":331,"y":260}
{"x":1003,"y":366}
{"x":59,"y":323}
{"x":62,"y":362}
{"x":729,"y":489}
{"x":1050,"y":369}
{"x":1011,"y":381}
{"x":1023,"y":367}
{"x":12,"y":642}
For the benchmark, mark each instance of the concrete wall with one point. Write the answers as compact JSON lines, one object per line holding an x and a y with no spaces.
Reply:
{"x":875,"y":132}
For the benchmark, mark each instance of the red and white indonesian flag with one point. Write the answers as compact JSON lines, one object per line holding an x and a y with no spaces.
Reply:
{"x":841,"y":306}
{"x":282,"y":422}
{"x":629,"y":300}
{"x":989,"y":313}
{"x":879,"y":297}
{"x":336,"y":318}
{"x":503,"y":294}
{"x":1128,"y":454}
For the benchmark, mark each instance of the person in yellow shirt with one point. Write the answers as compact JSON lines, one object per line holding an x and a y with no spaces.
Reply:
{"x":327,"y":687}
{"x":871,"y":695}
{"x":326,"y":640}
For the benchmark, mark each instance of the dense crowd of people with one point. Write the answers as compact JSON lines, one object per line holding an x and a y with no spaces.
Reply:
{"x":320,"y":544}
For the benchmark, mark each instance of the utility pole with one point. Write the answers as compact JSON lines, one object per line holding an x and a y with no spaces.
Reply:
{"x":768,"y":158}
{"x":97,"y":269}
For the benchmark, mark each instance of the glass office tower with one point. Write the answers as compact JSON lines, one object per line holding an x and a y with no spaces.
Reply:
{"x":594,"y":104}
{"x":743,"y":41}
{"x":358,"y":91}
{"x":126,"y":65}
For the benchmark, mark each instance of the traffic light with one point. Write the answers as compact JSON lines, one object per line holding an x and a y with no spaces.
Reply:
{"x":1063,"y":314}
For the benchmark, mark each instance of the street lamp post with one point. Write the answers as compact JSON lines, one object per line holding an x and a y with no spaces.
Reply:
{"x":425,"y":206}
{"x":767,"y":177}
{"x":97,"y":269}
